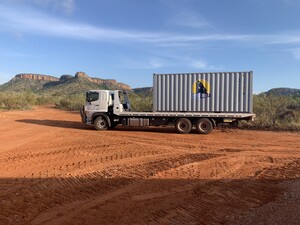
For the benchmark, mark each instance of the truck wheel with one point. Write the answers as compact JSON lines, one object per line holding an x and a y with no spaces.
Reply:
{"x":183,"y":125}
{"x":101,"y":123}
{"x":204,"y":126}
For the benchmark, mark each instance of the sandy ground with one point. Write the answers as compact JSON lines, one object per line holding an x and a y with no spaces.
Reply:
{"x":54,"y":170}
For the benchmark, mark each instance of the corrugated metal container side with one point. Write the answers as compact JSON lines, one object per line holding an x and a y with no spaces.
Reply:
{"x":203,"y":92}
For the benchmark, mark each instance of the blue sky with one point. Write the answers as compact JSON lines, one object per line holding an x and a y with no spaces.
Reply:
{"x":129,"y":40}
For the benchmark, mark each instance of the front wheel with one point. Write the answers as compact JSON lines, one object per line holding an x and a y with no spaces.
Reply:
{"x":204,"y":126}
{"x":101,"y":123}
{"x":183,"y":125}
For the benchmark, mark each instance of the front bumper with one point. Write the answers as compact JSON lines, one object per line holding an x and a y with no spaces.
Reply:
{"x":83,"y":116}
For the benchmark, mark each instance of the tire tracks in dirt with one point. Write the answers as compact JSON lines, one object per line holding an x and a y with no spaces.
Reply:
{"x":73,"y":175}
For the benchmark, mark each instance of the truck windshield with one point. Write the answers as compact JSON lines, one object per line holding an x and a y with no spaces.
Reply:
{"x":92,"y":96}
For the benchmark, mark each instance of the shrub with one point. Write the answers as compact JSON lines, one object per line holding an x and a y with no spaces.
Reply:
{"x":140,"y":103}
{"x":71,"y":102}
{"x":14,"y":100}
{"x":273,"y":110}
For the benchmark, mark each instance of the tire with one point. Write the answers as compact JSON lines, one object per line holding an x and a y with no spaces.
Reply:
{"x":183,"y":125}
{"x":204,"y":126}
{"x":101,"y":123}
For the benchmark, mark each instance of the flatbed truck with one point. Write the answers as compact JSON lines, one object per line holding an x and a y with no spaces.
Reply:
{"x":105,"y":109}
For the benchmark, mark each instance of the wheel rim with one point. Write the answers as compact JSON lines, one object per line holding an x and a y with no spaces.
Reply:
{"x":183,"y":126}
{"x":101,"y":123}
{"x":204,"y":126}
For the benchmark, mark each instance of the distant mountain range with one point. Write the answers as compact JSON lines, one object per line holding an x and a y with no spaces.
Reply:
{"x":81,"y":82}
{"x":284,"y":92}
{"x":69,"y":84}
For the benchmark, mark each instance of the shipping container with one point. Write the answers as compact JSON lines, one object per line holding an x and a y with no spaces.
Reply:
{"x":224,"y":92}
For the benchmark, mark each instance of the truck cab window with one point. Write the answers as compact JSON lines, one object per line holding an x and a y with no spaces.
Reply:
{"x":92,"y":96}
{"x":124,"y":100}
{"x":111,"y":99}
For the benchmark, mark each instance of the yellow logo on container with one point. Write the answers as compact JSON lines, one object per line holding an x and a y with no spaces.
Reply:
{"x":201,"y":89}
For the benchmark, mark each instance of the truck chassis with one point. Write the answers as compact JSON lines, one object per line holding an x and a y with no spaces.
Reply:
{"x":119,"y":112}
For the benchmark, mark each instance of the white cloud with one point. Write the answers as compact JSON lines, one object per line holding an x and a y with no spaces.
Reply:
{"x":19,"y":55}
{"x":178,"y":38}
{"x":34,"y":22}
{"x":157,"y":63}
{"x":31,"y":21}
{"x":188,"y":19}
{"x":68,"y":6}
{"x":284,"y":38}
{"x":293,"y":3}
{"x":65,"y":6}
{"x":167,"y":61}
{"x":153,"y":63}
{"x":18,"y":35}
{"x":295,"y":52}
{"x":198,"y":64}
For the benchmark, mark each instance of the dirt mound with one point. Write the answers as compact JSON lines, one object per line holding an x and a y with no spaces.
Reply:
{"x":54,"y":170}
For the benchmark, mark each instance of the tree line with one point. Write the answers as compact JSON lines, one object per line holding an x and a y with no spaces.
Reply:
{"x":270,"y":110}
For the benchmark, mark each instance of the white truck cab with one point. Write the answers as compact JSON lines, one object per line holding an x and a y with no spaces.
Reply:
{"x":104,"y":104}
{"x":104,"y":101}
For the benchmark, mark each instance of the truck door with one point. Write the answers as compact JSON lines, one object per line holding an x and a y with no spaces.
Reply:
{"x":102,"y":105}
{"x":97,"y":101}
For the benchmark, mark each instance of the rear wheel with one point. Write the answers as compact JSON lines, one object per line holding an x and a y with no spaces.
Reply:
{"x":183,"y":125}
{"x":101,"y":123}
{"x":204,"y":126}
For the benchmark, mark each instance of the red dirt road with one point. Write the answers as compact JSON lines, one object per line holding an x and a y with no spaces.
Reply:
{"x":54,"y":170}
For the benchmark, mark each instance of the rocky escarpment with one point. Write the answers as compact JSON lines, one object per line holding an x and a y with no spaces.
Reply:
{"x":109,"y":82}
{"x":123,"y":86}
{"x":64,"y":78}
{"x":36,"y":77}
{"x":143,"y":91}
